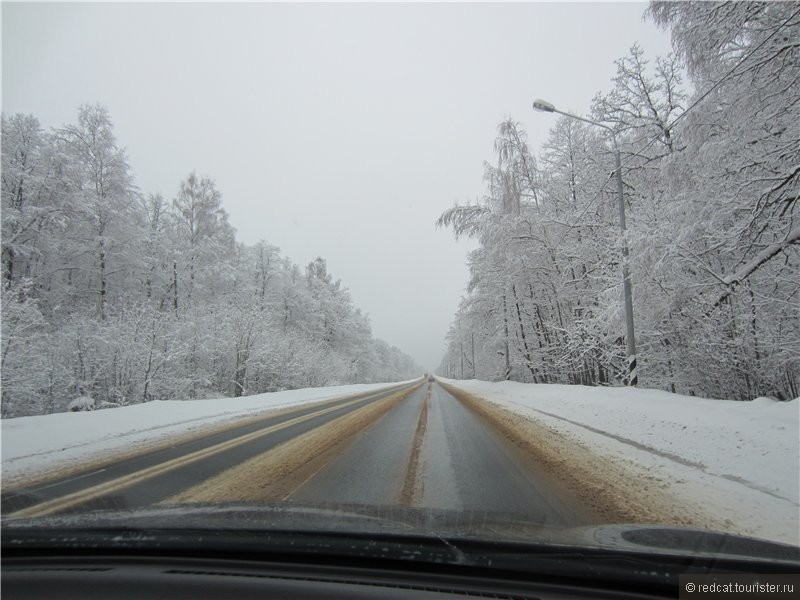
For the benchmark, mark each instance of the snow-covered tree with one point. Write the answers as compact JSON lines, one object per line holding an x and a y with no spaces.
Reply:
{"x":710,"y":186}
{"x":121,"y":297}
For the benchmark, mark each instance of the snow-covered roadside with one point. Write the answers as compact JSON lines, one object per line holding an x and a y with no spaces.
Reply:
{"x":736,"y":461}
{"x":45,"y":443}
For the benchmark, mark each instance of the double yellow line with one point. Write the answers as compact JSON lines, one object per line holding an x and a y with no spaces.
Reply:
{"x":68,"y":501}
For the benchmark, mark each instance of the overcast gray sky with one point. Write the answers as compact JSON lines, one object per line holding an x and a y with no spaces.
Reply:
{"x":334,"y":130}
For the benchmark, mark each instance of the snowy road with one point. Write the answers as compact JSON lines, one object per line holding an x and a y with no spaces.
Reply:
{"x":417,"y":446}
{"x":556,"y":454}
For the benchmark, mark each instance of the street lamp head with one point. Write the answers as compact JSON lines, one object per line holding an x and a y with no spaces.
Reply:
{"x":543,"y":106}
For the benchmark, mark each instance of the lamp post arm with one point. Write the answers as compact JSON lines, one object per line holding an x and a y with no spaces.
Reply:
{"x":585,"y":120}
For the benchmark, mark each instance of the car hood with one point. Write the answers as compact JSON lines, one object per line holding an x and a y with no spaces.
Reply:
{"x":452,"y":528}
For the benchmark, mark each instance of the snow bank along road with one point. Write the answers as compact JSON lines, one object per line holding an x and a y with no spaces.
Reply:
{"x":410,"y":445}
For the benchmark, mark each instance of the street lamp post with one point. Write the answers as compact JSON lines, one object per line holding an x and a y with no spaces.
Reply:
{"x":633,"y":379}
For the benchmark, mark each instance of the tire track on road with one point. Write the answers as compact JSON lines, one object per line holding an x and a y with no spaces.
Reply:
{"x":413,"y":486}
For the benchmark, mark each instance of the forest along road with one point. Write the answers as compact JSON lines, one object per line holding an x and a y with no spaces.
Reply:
{"x":414,"y":446}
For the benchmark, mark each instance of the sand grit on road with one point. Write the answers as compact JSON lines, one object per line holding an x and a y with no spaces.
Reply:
{"x":609,"y":491}
{"x":274,"y":475}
